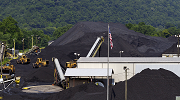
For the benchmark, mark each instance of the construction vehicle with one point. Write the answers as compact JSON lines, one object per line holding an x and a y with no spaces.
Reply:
{"x":33,"y":51}
{"x":23,"y":60}
{"x":8,"y":69}
{"x":40,"y":63}
{"x":92,"y":52}
{"x":71,"y":64}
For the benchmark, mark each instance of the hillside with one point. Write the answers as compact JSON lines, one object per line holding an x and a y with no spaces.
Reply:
{"x":57,"y":13}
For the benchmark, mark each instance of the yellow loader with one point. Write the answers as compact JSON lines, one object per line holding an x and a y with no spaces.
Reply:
{"x":23,"y":60}
{"x":40,"y":63}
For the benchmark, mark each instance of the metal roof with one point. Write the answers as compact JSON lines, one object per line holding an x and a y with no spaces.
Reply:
{"x":129,"y":60}
{"x":88,"y":72}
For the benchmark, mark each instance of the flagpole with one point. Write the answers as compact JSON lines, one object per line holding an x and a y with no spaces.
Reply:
{"x":108,"y":68}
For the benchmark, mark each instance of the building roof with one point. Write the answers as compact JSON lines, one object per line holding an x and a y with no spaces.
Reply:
{"x":88,"y":72}
{"x":129,"y":60}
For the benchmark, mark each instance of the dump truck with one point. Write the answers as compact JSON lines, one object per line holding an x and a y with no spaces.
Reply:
{"x":23,"y":60}
{"x":40,"y":63}
{"x":71,"y":64}
{"x":8,"y":69}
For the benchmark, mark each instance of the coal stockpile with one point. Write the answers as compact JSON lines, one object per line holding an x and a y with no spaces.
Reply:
{"x":42,"y":74}
{"x":82,"y":36}
{"x":149,"y":84}
{"x":88,"y":91}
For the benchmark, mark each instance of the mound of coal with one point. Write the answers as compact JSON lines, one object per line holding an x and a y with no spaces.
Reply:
{"x":149,"y":85}
{"x":88,"y":91}
{"x":42,"y":74}
{"x":82,"y":36}
{"x":172,"y":50}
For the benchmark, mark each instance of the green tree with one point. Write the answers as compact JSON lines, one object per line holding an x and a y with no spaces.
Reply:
{"x":166,"y":33}
{"x":168,"y":25}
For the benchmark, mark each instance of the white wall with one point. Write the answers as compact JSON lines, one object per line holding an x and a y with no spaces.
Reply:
{"x":173,"y":67}
{"x":119,"y":73}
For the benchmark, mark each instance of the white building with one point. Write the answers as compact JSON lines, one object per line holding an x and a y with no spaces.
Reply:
{"x":135,"y":64}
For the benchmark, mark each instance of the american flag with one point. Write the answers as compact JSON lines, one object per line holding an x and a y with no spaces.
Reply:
{"x":110,"y":37}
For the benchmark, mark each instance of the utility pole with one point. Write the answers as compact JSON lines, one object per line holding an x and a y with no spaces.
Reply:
{"x":40,"y":41}
{"x":32,"y":40}
{"x":28,"y":42}
{"x":178,"y":43}
{"x":76,"y":54}
{"x":125,"y":68}
{"x":121,"y":52}
{"x":23,"y":44}
{"x":14,"y":47}
{"x":36,"y":40}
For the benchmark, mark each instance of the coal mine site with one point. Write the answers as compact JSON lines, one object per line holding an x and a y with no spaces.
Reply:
{"x":149,"y":84}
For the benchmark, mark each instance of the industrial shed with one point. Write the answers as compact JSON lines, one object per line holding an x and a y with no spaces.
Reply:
{"x":135,"y":64}
{"x":79,"y":76}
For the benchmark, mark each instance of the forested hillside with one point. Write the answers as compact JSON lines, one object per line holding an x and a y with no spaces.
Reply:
{"x":57,"y":13}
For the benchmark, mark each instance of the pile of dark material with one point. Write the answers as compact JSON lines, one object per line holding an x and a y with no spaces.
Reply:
{"x":88,"y":91}
{"x":82,"y":36}
{"x":149,"y":84}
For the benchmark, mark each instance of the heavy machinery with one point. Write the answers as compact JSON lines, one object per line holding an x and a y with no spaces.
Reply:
{"x":33,"y":51}
{"x":71,"y":64}
{"x":23,"y":60}
{"x":40,"y":63}
{"x":8,"y":69}
{"x":92,"y":52}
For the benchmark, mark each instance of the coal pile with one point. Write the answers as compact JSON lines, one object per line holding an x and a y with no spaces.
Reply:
{"x":88,"y":91}
{"x":42,"y":74}
{"x":149,"y":84}
{"x":82,"y":36}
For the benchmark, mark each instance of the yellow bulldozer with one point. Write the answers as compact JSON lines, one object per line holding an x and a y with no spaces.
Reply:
{"x":40,"y":63}
{"x":71,"y":64}
{"x":8,"y":69}
{"x":23,"y":60}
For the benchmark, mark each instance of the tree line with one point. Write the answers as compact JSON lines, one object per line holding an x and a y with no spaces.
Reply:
{"x":10,"y":33}
{"x":32,"y":14}
{"x":141,"y":27}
